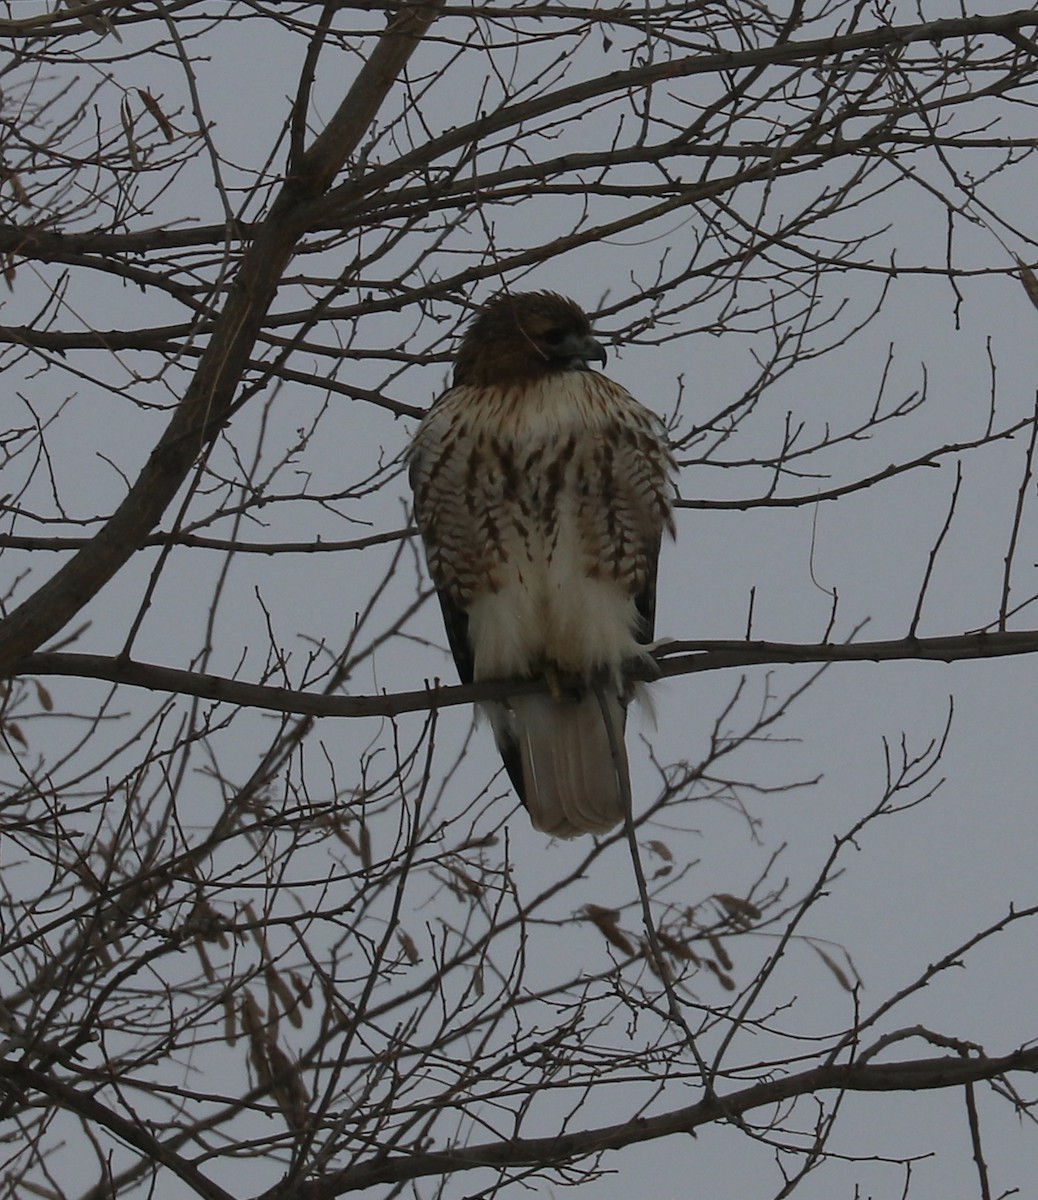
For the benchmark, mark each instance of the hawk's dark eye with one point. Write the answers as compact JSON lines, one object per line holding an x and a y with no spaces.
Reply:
{"x":554,"y":336}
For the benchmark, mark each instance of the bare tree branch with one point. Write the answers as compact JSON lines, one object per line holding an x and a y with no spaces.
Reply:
{"x":674,"y":658}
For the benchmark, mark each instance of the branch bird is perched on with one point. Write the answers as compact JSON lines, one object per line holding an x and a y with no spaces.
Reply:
{"x":542,"y":491}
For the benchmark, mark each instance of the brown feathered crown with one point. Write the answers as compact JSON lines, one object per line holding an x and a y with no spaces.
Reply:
{"x":525,"y":335}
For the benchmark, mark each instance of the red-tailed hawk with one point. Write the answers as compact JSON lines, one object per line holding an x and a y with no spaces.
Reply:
{"x":542,"y":490}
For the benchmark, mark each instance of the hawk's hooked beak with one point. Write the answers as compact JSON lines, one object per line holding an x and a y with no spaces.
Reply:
{"x":579,"y":350}
{"x":594,"y":352}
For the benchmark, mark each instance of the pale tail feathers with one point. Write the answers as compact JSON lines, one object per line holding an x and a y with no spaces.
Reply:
{"x":572,"y":782}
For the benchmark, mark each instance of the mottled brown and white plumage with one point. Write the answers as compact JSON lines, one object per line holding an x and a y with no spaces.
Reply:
{"x":542,"y":490}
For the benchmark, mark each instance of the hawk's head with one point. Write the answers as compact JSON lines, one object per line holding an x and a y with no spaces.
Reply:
{"x":526,"y":335}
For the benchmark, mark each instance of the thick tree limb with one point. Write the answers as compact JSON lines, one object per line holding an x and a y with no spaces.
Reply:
{"x":13,"y":541}
{"x":672,"y":659}
{"x":90,"y":1109}
{"x":910,"y":1075}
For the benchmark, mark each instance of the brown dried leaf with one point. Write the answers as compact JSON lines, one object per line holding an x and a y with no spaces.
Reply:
{"x":477,"y":843}
{"x":659,"y":968}
{"x":837,"y":970}
{"x":152,"y":105}
{"x":332,"y":821}
{"x":456,"y":890}
{"x":251,"y":1017}
{"x":347,"y":840}
{"x":660,"y":848}
{"x":336,"y":1013}
{"x":1028,"y":279}
{"x":287,"y":1088}
{"x":738,"y":907}
{"x":230,"y":1026}
{"x":277,"y":987}
{"x":207,"y":966}
{"x":718,"y":948}
{"x":605,"y":921}
{"x":84,"y":873}
{"x":470,"y":886}
{"x":258,"y":1058}
{"x":255,"y":1030}
{"x":306,"y":996}
{"x":96,"y":22}
{"x":726,"y":981}
{"x":408,"y":946}
{"x":126,"y":118}
{"x":365,"y":847}
{"x":13,"y":732}
{"x":257,"y":930}
{"x":20,"y":194}
{"x":44,"y":697}
{"x":680,"y":949}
